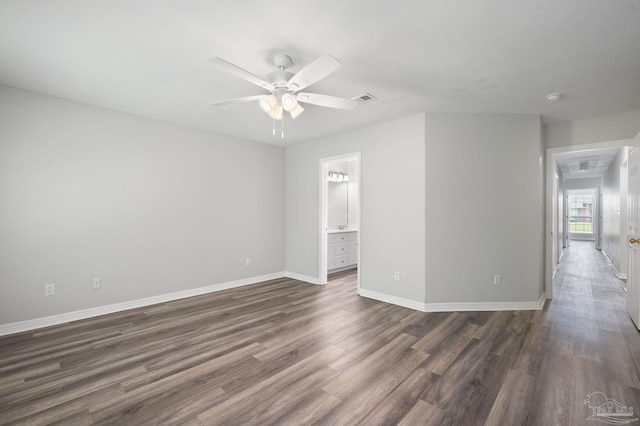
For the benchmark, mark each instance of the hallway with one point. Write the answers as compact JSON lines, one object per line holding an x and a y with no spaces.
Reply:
{"x":587,"y":341}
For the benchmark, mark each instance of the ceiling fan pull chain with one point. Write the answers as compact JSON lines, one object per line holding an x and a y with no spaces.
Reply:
{"x":274,"y":127}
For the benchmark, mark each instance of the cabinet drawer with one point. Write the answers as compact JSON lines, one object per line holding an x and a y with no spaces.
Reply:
{"x":341,"y":237}
{"x":341,"y":248}
{"x":342,"y":261}
{"x":352,"y":236}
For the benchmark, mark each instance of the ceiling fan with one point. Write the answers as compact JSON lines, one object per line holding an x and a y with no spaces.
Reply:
{"x":284,"y":86}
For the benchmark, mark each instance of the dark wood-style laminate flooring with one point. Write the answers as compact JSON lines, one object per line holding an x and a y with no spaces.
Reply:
{"x":289,"y":353}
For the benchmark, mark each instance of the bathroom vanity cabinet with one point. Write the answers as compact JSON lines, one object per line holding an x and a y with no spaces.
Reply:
{"x":342,"y":250}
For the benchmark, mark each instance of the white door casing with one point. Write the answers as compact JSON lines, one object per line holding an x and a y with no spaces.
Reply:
{"x":633,"y":233}
{"x":324,"y":262}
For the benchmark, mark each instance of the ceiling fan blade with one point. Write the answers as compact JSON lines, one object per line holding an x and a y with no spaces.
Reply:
{"x":238,"y":100}
{"x":326,"y":100}
{"x":315,"y":71}
{"x":243,"y":74}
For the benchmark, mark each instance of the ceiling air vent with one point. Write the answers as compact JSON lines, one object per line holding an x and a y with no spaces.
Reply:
{"x":366,"y":97}
{"x":584,"y":165}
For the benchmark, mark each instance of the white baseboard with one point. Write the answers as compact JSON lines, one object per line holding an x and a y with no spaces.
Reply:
{"x":487,"y":306}
{"x":36,"y":323}
{"x":33,"y":324}
{"x":394,"y":300}
{"x":455,"y":307}
{"x":619,"y":275}
{"x":300,"y":277}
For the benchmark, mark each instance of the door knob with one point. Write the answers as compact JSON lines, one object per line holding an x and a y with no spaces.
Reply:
{"x":634,"y":240}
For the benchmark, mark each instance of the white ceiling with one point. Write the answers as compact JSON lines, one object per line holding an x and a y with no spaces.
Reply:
{"x":491,"y":56}
{"x":597,"y":162}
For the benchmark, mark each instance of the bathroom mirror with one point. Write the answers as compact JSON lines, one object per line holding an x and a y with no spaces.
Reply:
{"x":342,"y":195}
{"x":338,"y":206}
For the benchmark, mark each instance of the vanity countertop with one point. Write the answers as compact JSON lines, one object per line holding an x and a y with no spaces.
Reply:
{"x":336,"y":231}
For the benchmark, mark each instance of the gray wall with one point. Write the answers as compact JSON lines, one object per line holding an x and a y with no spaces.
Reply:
{"x":623,"y":125}
{"x":586,"y":183}
{"x":484,"y":207}
{"x":154,"y":208}
{"x":614,"y":212}
{"x":392,"y":209}
{"x":150,"y":207}
{"x":469,"y":209}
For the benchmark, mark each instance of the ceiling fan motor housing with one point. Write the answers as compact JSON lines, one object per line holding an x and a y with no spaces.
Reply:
{"x":282,"y":61}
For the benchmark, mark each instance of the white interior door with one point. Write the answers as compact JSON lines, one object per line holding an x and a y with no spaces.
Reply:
{"x":633,"y":233}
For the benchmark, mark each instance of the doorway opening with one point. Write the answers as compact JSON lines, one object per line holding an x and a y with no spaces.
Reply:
{"x":585,"y":184}
{"x":340,"y":217}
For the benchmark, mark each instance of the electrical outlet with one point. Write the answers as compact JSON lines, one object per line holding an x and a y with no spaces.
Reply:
{"x":49,"y":289}
{"x":247,"y":261}
{"x":97,"y":282}
{"x":396,"y":275}
{"x":497,"y":280}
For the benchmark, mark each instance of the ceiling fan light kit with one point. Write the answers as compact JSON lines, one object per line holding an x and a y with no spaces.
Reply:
{"x":284,"y":86}
{"x":268,"y":103}
{"x":289,"y":101}
{"x":296,"y":111}
{"x":276,"y":114}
